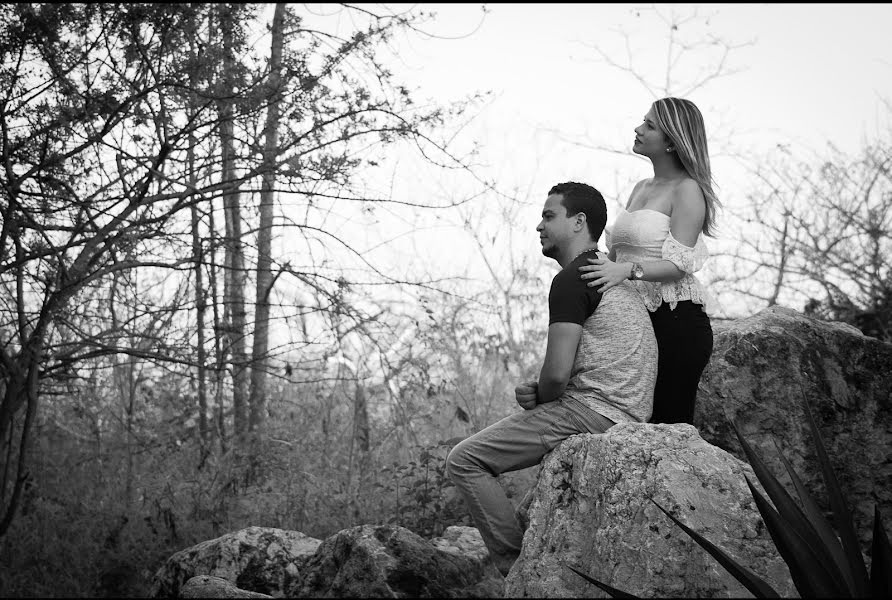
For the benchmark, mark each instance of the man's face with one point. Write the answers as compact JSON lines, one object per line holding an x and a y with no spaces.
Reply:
{"x":556,"y":228}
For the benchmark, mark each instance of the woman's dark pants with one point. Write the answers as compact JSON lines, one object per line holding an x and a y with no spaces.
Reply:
{"x":684,"y":340}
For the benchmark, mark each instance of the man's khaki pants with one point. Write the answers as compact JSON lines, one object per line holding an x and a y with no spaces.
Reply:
{"x":516,"y":442}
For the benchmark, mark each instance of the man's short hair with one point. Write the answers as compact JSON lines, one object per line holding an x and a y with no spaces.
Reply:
{"x":583,"y":198}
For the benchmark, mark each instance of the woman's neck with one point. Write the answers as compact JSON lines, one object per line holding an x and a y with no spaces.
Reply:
{"x":666,"y":167}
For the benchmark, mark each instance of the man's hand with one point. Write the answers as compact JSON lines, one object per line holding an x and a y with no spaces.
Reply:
{"x":526,"y":394}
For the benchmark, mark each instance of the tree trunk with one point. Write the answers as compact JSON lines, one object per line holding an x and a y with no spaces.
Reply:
{"x":219,"y":352}
{"x":361,"y":420}
{"x":197,"y":257}
{"x":27,"y":391}
{"x":201,"y":310}
{"x":124,"y":374}
{"x":782,"y":267}
{"x":260,"y":363}
{"x":235,"y":274}
{"x":220,"y":335}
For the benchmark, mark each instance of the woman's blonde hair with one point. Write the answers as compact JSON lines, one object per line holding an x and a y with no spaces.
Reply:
{"x":682,"y":123}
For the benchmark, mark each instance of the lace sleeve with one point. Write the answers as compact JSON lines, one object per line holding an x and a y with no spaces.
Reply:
{"x":684,"y":257}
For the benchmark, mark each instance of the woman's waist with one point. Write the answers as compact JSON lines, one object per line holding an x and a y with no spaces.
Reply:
{"x":654,"y":292}
{"x":637,"y":253}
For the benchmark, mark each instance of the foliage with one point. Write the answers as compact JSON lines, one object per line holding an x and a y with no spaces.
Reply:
{"x":306,"y":475}
{"x":77,"y":537}
{"x":816,"y":233}
{"x":874,"y":320}
{"x":112,"y":118}
{"x":822,"y":563}
{"x":111,"y":125}
{"x":424,"y":497}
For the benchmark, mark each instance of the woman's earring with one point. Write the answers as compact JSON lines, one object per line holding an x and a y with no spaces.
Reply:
{"x":669,"y":149}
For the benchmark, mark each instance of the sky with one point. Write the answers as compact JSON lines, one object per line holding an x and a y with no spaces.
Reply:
{"x":812,"y":71}
{"x":797,"y":76}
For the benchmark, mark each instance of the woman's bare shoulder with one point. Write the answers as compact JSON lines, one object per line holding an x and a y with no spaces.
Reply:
{"x":688,"y":194}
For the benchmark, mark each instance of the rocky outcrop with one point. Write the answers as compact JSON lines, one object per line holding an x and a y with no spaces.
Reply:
{"x":255,"y":559}
{"x":392,"y":562}
{"x":761,"y":370}
{"x":208,"y":586}
{"x":368,"y":561}
{"x":592,"y":510}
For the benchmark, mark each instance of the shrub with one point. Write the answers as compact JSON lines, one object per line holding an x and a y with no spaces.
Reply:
{"x":424,"y":498}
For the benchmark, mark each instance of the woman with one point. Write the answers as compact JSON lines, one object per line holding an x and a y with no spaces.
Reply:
{"x":655,"y":242}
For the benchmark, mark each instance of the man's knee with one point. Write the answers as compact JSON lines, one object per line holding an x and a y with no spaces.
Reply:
{"x":465,"y":458}
{"x":456,"y":460}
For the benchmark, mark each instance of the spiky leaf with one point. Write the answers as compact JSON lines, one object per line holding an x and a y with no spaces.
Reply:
{"x":615,"y":593}
{"x":822,"y":526}
{"x":841,"y":515}
{"x":791,"y":515}
{"x":810,"y":579}
{"x":881,"y":560}
{"x":755,"y":584}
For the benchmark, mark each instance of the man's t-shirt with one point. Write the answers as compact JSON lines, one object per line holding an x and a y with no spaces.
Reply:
{"x":571,"y":300}
{"x":615,"y":368}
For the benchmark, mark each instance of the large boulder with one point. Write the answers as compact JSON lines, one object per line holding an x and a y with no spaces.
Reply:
{"x":592,"y":510}
{"x":392,"y":562}
{"x":763,"y":368}
{"x":257,"y":559}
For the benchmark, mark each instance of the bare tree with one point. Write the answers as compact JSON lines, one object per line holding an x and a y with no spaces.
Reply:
{"x":113,"y":131}
{"x":688,"y":41}
{"x":821,"y":237}
{"x":200,"y":293}
{"x":691,"y":59}
{"x":235,"y":312}
{"x":85,"y":141}
{"x":260,"y":362}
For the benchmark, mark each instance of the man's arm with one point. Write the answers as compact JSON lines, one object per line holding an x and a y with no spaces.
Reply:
{"x":563,"y":339}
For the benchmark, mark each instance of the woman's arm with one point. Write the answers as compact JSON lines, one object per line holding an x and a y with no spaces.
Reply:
{"x":688,"y":212}
{"x":606,"y":273}
{"x":686,"y":222}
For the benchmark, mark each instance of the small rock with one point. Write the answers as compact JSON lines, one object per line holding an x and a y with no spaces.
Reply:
{"x":208,"y":586}
{"x":392,"y":562}
{"x":258,"y":559}
{"x":462,"y":541}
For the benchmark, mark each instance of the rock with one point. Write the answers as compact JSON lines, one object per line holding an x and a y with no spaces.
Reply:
{"x":393,"y":562}
{"x":592,"y":510}
{"x":761,"y":369}
{"x":462,"y":541}
{"x":207,"y":586}
{"x":257,"y":559}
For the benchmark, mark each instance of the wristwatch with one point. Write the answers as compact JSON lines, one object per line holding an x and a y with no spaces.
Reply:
{"x":637,"y":271}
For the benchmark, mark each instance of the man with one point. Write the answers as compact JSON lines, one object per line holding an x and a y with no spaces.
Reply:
{"x":600,"y":368}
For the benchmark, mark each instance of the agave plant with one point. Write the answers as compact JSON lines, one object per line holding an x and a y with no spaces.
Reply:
{"x":820,"y":563}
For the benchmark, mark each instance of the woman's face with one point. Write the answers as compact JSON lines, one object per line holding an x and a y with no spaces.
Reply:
{"x":649,"y":139}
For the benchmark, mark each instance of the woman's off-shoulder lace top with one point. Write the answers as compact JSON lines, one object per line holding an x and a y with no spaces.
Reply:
{"x":643,"y":235}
